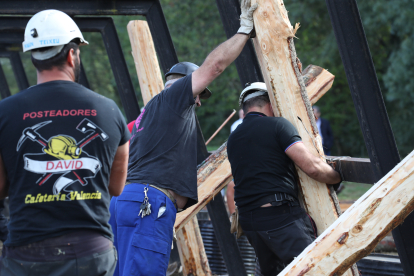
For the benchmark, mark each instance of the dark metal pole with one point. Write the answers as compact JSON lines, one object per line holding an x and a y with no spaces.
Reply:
{"x":4,"y":87}
{"x":370,"y":107}
{"x":247,"y":64}
{"x":18,"y":70}
{"x":161,"y":36}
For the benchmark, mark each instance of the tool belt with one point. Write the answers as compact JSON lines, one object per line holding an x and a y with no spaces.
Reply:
{"x":164,"y":191}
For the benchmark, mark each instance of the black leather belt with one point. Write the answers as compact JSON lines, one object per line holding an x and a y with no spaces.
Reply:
{"x":278,"y":199}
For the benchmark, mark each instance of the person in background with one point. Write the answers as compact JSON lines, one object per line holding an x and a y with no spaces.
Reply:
{"x":238,"y":122}
{"x":63,"y":153}
{"x":325,"y":130}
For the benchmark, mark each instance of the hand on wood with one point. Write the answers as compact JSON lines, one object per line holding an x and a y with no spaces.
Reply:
{"x":246,"y":17}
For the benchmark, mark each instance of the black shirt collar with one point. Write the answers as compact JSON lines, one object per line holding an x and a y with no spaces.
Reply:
{"x":255,"y":114}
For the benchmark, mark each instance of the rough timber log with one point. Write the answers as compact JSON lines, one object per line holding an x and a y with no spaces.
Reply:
{"x":317,"y":81}
{"x":212,"y":176}
{"x":281,"y":71}
{"x":356,"y":233}
{"x":146,"y":62}
{"x":190,"y":245}
{"x":196,"y":264}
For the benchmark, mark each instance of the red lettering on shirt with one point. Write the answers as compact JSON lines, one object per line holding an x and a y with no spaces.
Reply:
{"x":55,"y":113}
{"x":59,"y":165}
{"x":49,"y":165}
{"x":78,"y":164}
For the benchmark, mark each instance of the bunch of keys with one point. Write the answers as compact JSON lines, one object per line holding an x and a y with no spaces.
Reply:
{"x":145,"y":208}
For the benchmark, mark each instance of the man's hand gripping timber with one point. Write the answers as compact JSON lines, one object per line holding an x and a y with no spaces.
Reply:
{"x":225,"y":53}
{"x":246,"y":18}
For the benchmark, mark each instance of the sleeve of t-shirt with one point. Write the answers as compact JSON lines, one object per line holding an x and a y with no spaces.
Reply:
{"x":125,"y":134}
{"x":287,"y":134}
{"x":180,"y":94}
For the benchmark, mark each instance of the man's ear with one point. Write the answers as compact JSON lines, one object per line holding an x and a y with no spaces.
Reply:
{"x":71,"y":58}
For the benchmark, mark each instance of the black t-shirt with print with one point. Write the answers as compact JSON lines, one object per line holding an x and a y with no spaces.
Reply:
{"x":58,"y":141}
{"x":163,"y":148}
{"x":260,"y":166}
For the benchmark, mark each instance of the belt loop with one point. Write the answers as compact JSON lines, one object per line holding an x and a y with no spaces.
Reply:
{"x":281,"y":197}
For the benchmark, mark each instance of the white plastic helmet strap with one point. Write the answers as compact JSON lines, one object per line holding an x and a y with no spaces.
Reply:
{"x":254,"y":94}
{"x":43,"y":55}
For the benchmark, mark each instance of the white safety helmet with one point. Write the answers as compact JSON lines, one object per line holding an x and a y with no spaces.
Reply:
{"x":258,"y":87}
{"x":50,"y":28}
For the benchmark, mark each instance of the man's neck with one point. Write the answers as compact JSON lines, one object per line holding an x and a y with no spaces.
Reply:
{"x":53,"y":75}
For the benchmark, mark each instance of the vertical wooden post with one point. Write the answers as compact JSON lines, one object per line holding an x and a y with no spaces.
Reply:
{"x":190,"y":244}
{"x":145,"y":58}
{"x":277,"y":57}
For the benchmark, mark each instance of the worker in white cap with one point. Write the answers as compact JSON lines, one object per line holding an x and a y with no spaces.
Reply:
{"x":263,"y":151}
{"x":63,"y":153}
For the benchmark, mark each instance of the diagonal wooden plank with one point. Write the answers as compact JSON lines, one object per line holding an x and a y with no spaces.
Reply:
{"x":356,"y":233}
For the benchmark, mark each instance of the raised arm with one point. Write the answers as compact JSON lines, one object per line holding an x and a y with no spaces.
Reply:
{"x":119,"y":170}
{"x":4,"y":187}
{"x":313,"y":166}
{"x":225,"y":53}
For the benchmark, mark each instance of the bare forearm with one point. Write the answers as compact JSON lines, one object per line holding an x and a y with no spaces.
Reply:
{"x":325,"y":173}
{"x":119,"y":171}
{"x":217,"y":61}
{"x":221,"y":57}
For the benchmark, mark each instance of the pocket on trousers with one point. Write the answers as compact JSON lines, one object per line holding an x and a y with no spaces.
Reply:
{"x":289,"y":240}
{"x":127,"y":208}
{"x":151,"y":255}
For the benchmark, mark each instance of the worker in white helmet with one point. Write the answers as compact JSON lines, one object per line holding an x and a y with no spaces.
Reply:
{"x":263,"y":152}
{"x":63,"y":153}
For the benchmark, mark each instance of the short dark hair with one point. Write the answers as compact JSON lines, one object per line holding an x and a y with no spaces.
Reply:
{"x":259,"y":101}
{"x":56,"y":61}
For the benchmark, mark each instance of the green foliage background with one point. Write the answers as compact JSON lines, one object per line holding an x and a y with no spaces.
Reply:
{"x":196,"y":29}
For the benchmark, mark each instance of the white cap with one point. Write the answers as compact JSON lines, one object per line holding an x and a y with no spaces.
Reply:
{"x":50,"y":28}
{"x":258,"y":87}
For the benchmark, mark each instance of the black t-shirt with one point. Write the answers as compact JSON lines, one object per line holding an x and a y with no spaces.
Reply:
{"x":260,"y":166}
{"x":163,"y":148}
{"x":58,"y":141}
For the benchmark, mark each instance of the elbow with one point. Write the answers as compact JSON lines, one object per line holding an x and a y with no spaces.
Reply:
{"x":218,"y":67}
{"x":313,"y":172}
{"x":116,"y":192}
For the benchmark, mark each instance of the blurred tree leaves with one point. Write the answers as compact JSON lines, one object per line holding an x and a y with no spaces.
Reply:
{"x":196,"y":29}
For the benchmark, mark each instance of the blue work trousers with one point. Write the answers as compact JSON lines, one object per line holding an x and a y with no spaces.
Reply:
{"x":143,"y":244}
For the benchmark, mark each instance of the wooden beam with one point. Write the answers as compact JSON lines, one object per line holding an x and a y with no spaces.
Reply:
{"x":196,"y":264}
{"x":317,"y":81}
{"x":145,"y":57}
{"x":277,"y":57}
{"x":212,"y":176}
{"x":356,"y":233}
{"x":190,"y":245}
